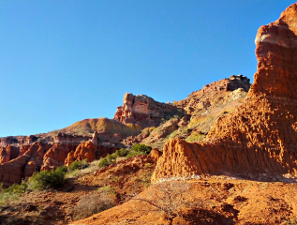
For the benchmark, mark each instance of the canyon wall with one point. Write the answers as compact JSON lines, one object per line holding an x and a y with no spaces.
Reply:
{"x":259,"y":137}
{"x":21,"y":157}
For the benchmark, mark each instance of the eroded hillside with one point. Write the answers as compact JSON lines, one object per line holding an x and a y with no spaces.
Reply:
{"x":256,"y":141}
{"x":141,"y":119}
{"x":229,"y":154}
{"x":258,"y":138}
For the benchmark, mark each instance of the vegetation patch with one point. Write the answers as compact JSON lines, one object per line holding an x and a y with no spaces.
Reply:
{"x":137,"y":149}
{"x":195,"y":137}
{"x":47,"y":180}
{"x":12,"y":193}
{"x":77,"y":165}
{"x":94,"y":202}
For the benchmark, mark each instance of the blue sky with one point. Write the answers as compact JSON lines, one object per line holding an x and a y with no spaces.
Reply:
{"x":64,"y":61}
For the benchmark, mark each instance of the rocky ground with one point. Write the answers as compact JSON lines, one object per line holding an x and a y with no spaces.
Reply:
{"x":85,"y":192}
{"x":209,"y":200}
{"x":201,"y":200}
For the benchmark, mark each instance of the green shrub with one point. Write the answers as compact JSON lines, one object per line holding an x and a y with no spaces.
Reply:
{"x":138,"y":149}
{"x":141,"y":148}
{"x":103,"y":163}
{"x":116,"y":154}
{"x":133,"y":153}
{"x":76,"y":165}
{"x":111,"y":158}
{"x":123,"y":152}
{"x":16,"y":188}
{"x":46,"y":180}
{"x":62,"y":169}
{"x":12,"y":193}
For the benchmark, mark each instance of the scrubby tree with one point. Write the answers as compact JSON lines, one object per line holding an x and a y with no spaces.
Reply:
{"x":167,"y":197}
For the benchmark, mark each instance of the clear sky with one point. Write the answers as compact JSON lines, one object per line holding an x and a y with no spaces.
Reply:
{"x":64,"y":61}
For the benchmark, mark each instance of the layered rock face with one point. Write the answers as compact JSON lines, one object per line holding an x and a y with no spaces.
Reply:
{"x":276,"y":54}
{"x":21,"y":157}
{"x":29,"y":160}
{"x":259,"y":137}
{"x":143,"y":110}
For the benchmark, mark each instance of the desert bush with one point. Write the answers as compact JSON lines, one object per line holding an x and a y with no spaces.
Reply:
{"x":94,"y":203}
{"x":76,"y":165}
{"x":13,"y":192}
{"x":122,"y":152}
{"x":46,"y":180}
{"x":138,"y":149}
{"x":103,"y":163}
{"x":291,"y":222}
{"x":111,"y":158}
{"x":17,"y":188}
{"x":195,"y":137}
{"x":132,"y":154}
{"x":62,"y":169}
{"x":107,"y":190}
{"x":141,"y":148}
{"x":166,"y":197}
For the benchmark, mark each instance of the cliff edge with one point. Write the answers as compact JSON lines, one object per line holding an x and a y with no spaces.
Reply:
{"x":257,"y":139}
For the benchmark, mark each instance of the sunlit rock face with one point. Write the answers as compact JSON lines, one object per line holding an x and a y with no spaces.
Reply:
{"x":259,"y":137}
{"x":143,"y":111}
{"x":276,"y":48}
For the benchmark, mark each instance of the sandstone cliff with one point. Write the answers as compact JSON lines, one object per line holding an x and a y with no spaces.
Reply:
{"x":259,"y":137}
{"x":20,"y":159}
{"x":144,"y":111}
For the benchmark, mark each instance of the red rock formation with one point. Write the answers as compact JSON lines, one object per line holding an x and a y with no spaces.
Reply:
{"x":154,"y":155}
{"x":8,"y":153}
{"x":86,"y":151}
{"x":276,"y":55}
{"x":69,"y":159}
{"x":56,"y":155}
{"x":89,"y":151}
{"x":29,"y":161}
{"x":29,"y":156}
{"x":259,"y":137}
{"x":143,"y":110}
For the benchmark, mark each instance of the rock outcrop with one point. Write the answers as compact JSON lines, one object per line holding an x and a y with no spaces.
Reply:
{"x":222,"y":90}
{"x":203,"y":107}
{"x":10,"y":140}
{"x":144,"y":111}
{"x":8,"y":153}
{"x":63,"y":138}
{"x":259,"y":136}
{"x":89,"y":152}
{"x":55,"y":156}
{"x":30,"y":160}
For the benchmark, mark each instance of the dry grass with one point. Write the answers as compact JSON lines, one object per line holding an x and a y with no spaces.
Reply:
{"x":92,"y":168}
{"x":94,"y":202}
